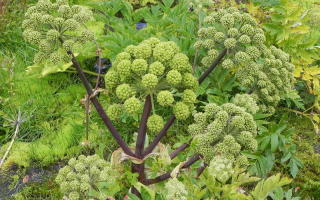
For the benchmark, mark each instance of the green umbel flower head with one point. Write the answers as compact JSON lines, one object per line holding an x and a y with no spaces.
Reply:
{"x":46,"y":24}
{"x":84,"y":174}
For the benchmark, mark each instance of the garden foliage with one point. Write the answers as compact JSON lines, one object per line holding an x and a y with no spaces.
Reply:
{"x":211,"y":76}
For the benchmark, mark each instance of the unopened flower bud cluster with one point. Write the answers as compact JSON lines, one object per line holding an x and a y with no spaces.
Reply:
{"x":154,"y":68}
{"x":47,"y":24}
{"x":226,"y":129}
{"x":82,"y":175}
{"x":175,"y":190}
{"x":265,"y":71}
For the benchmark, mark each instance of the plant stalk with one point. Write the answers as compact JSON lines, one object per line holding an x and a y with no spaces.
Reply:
{"x":214,"y":64}
{"x":99,"y":108}
{"x":167,"y":175}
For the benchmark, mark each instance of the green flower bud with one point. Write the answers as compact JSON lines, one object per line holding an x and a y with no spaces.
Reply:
{"x":181,"y":111}
{"x":65,"y":11}
{"x":209,"y":20}
{"x":202,"y":32}
{"x":188,"y":96}
{"x":208,"y":44}
{"x":112,"y":79}
{"x":165,"y":98}
{"x":230,"y":43}
{"x":242,"y":57}
{"x":62,"y":2}
{"x":174,"y":77}
{"x":163,"y":52}
{"x":53,"y":35}
{"x":211,"y":31}
{"x":82,"y":17}
{"x":139,"y":66}
{"x":244,"y":39}
{"x":227,"y":64}
{"x":247,"y":29}
{"x":124,"y":67}
{"x":207,"y":60}
{"x":156,"y":68}
{"x":227,"y":20}
{"x":132,"y":105}
{"x":155,"y":123}
{"x":213,"y":53}
{"x":195,"y":129}
{"x":253,"y":52}
{"x":152,"y":42}
{"x":149,"y":81}
{"x":44,"y":5}
{"x":76,"y":9}
{"x":189,"y":81}
{"x":45,"y":46}
{"x":242,"y":161}
{"x":58,"y":21}
{"x":56,"y":57}
{"x":179,"y":62}
{"x":74,"y":196}
{"x":259,"y":38}
{"x":232,"y":10}
{"x":87,"y":35}
{"x":47,"y":19}
{"x":233,"y":32}
{"x":68,"y":45}
{"x":198,"y":45}
{"x":124,"y":91}
{"x":219,"y":37}
{"x":71,"y":24}
{"x":143,"y":51}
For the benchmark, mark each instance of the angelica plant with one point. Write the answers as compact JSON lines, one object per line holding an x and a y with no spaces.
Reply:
{"x":155,"y":73}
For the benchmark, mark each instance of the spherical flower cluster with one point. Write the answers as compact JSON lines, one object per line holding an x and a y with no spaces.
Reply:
{"x":175,"y":190}
{"x":139,"y":66}
{"x":155,"y":123}
{"x":84,"y":174}
{"x":156,"y":68}
{"x":219,"y":130}
{"x":46,"y":24}
{"x":181,"y":111}
{"x":174,"y":77}
{"x":113,"y":79}
{"x":165,"y":98}
{"x":124,"y":91}
{"x":188,"y":96}
{"x":163,"y":52}
{"x":132,"y":105}
{"x":143,"y":51}
{"x":149,"y":81}
{"x":230,"y":43}
{"x":247,"y":102}
{"x":189,"y":81}
{"x":221,"y":168}
{"x":227,"y":20}
{"x":227,"y":64}
{"x":180,"y":62}
{"x":114,"y":111}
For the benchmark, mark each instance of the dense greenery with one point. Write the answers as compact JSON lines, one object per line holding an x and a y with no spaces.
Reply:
{"x":211,"y":99}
